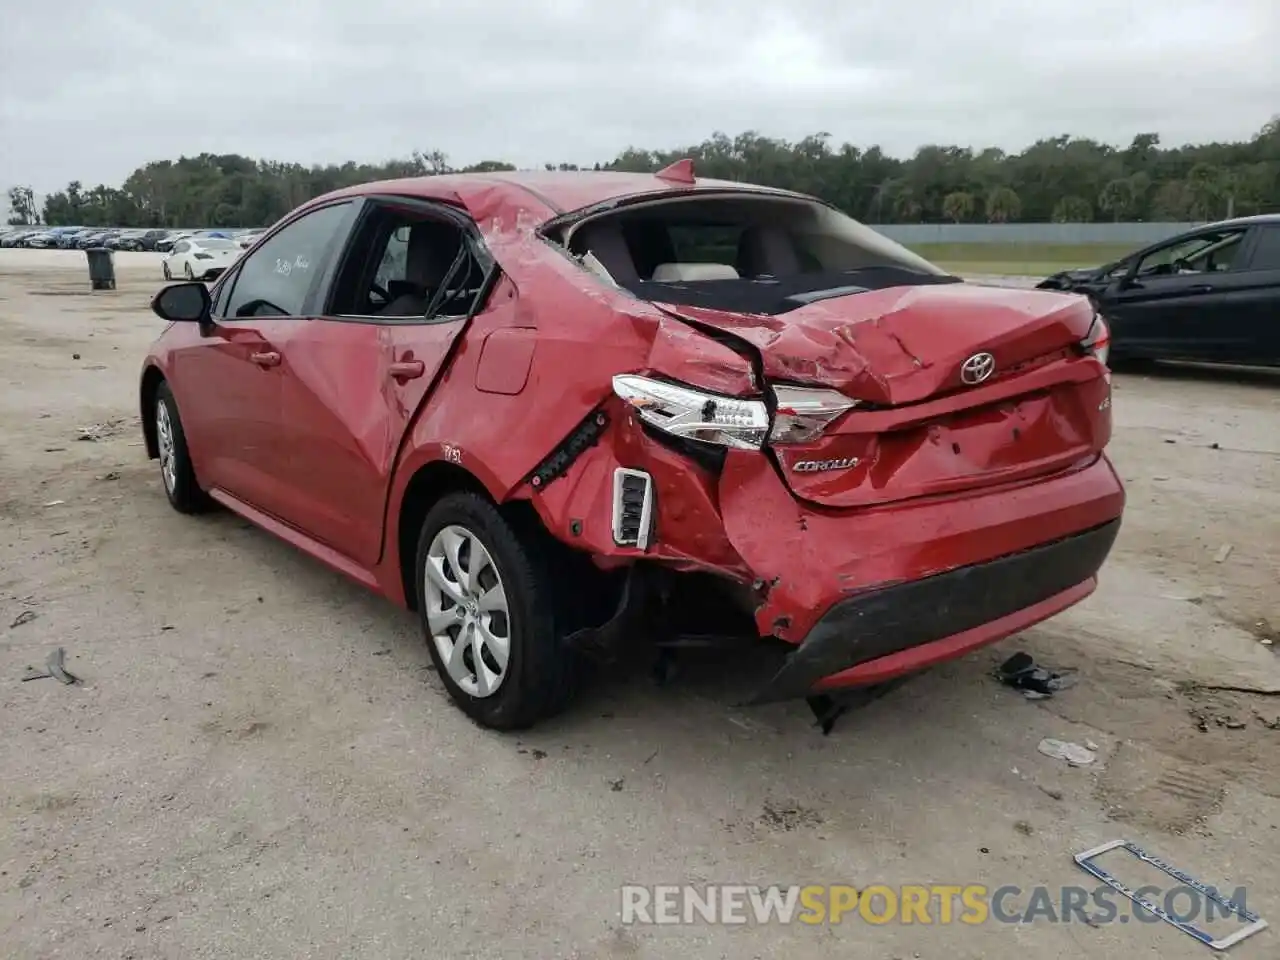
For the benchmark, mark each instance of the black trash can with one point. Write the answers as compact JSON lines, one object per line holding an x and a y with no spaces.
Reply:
{"x":102,"y":268}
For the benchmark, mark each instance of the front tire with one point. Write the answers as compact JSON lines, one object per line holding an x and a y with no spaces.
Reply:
{"x":487,"y":603}
{"x":176,"y":471}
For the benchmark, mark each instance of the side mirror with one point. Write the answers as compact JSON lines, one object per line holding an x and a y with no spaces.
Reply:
{"x":183,"y":303}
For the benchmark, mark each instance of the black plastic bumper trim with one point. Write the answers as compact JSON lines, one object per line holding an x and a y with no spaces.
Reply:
{"x":882,"y":622}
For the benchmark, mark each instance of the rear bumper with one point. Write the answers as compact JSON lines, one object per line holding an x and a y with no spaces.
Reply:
{"x":867,"y":595}
{"x":884,"y":633}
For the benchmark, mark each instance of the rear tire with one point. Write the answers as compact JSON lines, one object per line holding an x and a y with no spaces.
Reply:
{"x":176,"y":472}
{"x":187,"y":271}
{"x":459,"y":609}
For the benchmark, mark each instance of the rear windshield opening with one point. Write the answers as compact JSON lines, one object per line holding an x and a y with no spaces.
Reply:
{"x":745,"y":253}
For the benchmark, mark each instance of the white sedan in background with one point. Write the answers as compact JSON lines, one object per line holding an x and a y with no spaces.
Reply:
{"x":200,"y":258}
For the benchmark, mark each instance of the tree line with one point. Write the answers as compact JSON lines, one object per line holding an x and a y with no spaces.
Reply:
{"x":1061,"y":179}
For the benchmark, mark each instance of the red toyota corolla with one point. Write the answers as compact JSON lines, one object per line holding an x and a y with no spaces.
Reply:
{"x":572,"y":413}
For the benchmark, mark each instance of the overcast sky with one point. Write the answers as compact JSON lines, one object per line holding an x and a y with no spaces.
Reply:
{"x":90,"y":90}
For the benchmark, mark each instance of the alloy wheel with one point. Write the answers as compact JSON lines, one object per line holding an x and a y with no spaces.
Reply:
{"x":165,"y":443}
{"x":467,"y":614}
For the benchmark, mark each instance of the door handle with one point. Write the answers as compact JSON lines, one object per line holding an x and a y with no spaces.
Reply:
{"x":268,"y":358}
{"x":407,"y":369}
{"x":1201,"y":288}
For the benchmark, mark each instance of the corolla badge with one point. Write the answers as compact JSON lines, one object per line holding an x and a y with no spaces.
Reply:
{"x":977,"y":368}
{"x":814,"y":466}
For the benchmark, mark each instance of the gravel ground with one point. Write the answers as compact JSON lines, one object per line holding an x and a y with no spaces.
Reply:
{"x":260,"y":762}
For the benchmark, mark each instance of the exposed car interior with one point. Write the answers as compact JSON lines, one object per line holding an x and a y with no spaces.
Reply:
{"x":756,"y":253}
{"x":405,"y":264}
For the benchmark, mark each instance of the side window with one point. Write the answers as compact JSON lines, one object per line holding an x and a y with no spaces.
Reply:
{"x":1205,"y":253}
{"x":276,"y":275}
{"x":1266,"y":252}
{"x":181,"y":247}
{"x":219,"y":307}
{"x":405,"y":266}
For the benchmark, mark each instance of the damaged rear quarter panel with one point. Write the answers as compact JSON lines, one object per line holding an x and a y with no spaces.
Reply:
{"x":688,"y":532}
{"x":585,"y":333}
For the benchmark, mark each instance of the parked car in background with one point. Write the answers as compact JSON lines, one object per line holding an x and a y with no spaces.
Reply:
{"x":127,"y":240}
{"x":101,"y":238}
{"x":166,"y":243}
{"x":14,"y":238}
{"x":567,"y":412}
{"x":199,"y":258}
{"x":151,"y":238}
{"x":246,"y":238}
{"x":1210,"y":294}
{"x":69,"y":239}
{"x":41,"y":240}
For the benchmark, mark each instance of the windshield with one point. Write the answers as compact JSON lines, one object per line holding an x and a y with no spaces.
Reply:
{"x":745,"y":252}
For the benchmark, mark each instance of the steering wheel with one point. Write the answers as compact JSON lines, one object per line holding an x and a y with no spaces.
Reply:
{"x":1181,"y":265}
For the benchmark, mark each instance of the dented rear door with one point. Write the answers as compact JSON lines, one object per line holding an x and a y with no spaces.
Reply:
{"x":351,"y":388}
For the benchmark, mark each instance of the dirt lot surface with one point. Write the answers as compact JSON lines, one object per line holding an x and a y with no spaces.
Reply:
{"x":260,"y":763}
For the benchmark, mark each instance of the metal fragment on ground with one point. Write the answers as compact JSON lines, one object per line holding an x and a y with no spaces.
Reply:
{"x":55,"y":663}
{"x":26,"y":616}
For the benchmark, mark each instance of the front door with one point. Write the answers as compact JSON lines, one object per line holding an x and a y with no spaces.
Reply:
{"x":230,"y":402}
{"x":1177,"y":303}
{"x":358,"y":371}
{"x":237,"y":365}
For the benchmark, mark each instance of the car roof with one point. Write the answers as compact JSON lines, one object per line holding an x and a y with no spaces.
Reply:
{"x":1259,"y":218}
{"x":546,"y":193}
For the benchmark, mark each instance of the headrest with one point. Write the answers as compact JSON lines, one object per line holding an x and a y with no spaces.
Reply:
{"x":677,"y":272}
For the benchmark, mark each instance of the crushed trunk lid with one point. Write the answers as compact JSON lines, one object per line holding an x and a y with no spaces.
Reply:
{"x":919,"y":428}
{"x":901,"y":345}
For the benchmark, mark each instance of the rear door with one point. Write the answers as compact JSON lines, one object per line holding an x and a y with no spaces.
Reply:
{"x":358,"y":370}
{"x":1175,"y":304}
{"x":231,"y":377}
{"x":1256,"y":300}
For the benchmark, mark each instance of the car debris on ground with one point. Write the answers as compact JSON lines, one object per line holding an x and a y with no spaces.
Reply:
{"x":1252,"y":922}
{"x":1071,"y":753}
{"x":26,"y":616}
{"x":1021,"y":672}
{"x":55,"y":667}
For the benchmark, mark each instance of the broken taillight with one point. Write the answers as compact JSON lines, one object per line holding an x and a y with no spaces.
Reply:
{"x":693,"y":414}
{"x":802,"y":413}
{"x":1098,"y":340}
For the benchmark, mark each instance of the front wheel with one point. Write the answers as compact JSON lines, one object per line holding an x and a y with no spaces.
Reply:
{"x":168,"y":275}
{"x":176,"y":471}
{"x":486,"y":601}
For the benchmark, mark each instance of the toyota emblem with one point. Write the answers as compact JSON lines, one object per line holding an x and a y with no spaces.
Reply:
{"x":977,"y":368}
